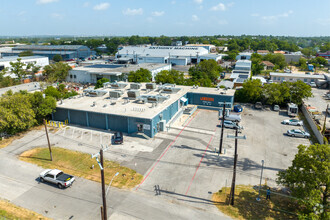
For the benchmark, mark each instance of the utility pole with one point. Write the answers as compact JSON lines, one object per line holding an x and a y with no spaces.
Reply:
{"x":232,"y":191}
{"x":50,"y":149}
{"x":222,"y":128}
{"x":325,"y":120}
{"x":105,"y":216}
{"x":100,"y":162}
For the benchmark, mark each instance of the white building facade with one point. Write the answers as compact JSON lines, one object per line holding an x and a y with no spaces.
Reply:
{"x":36,"y":60}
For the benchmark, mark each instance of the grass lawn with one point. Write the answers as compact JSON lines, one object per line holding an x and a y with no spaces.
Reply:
{"x":79,"y":164}
{"x":246,"y":206}
{"x":11,"y":211}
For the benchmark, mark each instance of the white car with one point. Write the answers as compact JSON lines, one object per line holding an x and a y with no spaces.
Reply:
{"x":231,"y":124}
{"x":57,"y":177}
{"x":298,"y":133}
{"x":292,"y":122}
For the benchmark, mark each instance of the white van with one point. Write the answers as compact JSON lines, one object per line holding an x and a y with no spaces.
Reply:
{"x":236,"y":118}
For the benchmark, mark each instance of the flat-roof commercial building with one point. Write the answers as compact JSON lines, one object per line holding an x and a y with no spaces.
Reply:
{"x":289,"y":77}
{"x":178,"y":55}
{"x":67,"y":52}
{"x":36,"y":60}
{"x":113,"y":72}
{"x":131,"y":107}
{"x":241,"y":73}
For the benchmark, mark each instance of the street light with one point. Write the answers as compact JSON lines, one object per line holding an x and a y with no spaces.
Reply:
{"x":232,"y":191}
{"x":262,"y":169}
{"x":110,"y":183}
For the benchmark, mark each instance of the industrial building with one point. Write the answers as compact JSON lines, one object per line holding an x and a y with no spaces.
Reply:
{"x":113,"y":72}
{"x":36,"y":60}
{"x":177,"y":55}
{"x":67,"y":52}
{"x":244,"y":56}
{"x":289,"y":77}
{"x":137,"y":108}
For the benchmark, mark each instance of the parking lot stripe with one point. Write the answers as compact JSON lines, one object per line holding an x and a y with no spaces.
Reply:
{"x":200,"y":162}
{"x":166,"y":150}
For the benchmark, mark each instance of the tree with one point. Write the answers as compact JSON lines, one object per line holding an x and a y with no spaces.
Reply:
{"x":141,"y":75}
{"x":251,"y":91}
{"x":57,"y":58}
{"x":57,"y":71}
{"x":99,"y":83}
{"x":277,"y":59}
{"x":299,"y":91}
{"x":41,"y":106}
{"x":16,"y":113}
{"x":205,"y":73}
{"x":53,"y":92}
{"x":321,"y":61}
{"x":309,"y":180}
{"x":172,"y":76}
{"x":25,"y":53}
{"x":17,"y":69}
{"x":303,"y":63}
{"x":276,"y":93}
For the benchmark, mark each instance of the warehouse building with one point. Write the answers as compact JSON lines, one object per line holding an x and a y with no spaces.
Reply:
{"x":137,"y":108}
{"x":113,"y":72}
{"x":67,"y":52}
{"x":36,"y":60}
{"x":289,"y":77}
{"x":177,"y":55}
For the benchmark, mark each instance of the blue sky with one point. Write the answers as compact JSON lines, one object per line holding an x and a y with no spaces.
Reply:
{"x":165,"y":17}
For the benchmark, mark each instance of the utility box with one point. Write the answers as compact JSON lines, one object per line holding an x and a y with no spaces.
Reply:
{"x":135,"y":86}
{"x":162,"y":125}
{"x":116,"y":94}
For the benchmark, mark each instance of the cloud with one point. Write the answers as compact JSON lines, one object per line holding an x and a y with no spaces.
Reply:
{"x":101,"y":6}
{"x":157,"y":13}
{"x":198,"y":1}
{"x":21,"y":13}
{"x":45,"y":1}
{"x":133,"y":11}
{"x":86,"y":4}
{"x":276,"y":17}
{"x":219,"y":7}
{"x":57,"y":16}
{"x":195,"y":18}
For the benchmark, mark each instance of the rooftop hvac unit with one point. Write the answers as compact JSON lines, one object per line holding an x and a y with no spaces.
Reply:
{"x":119,"y":85}
{"x":135,"y":86}
{"x":95,"y":93}
{"x":116,"y":94}
{"x":106,"y":84}
{"x":151,"y":86}
{"x":133,"y":94}
{"x":171,"y":89}
{"x":156,"y":98}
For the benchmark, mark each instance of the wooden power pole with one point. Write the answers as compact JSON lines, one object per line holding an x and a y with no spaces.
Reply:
{"x":222,"y":127}
{"x":105,"y":216}
{"x":50,"y":149}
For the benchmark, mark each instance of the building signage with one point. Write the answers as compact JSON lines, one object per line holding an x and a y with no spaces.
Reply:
{"x":207,"y":99}
{"x":173,"y":48}
{"x":146,"y":127}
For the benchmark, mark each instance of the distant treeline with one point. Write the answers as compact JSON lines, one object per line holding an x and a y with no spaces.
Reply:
{"x":234,"y":43}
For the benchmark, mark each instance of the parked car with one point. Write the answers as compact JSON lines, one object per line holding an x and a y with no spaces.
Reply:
{"x":292,"y":122}
{"x":238,"y":108}
{"x":276,"y":108}
{"x":232,"y":117}
{"x":298,"y":133}
{"x":231,"y":124}
{"x":258,"y":105}
{"x":313,"y":84}
{"x":118,"y":138}
{"x":57,"y":177}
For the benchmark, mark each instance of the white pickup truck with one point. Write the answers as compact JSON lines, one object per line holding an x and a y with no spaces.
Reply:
{"x":56,"y":177}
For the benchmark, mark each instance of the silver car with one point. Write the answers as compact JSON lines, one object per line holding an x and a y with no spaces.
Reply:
{"x":292,"y":122}
{"x":231,"y":124}
{"x":297,"y":133}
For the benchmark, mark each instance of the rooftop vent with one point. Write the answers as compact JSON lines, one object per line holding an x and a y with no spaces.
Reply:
{"x":171,"y":90}
{"x":151,"y":86}
{"x":95,"y":93}
{"x":118,"y":85}
{"x":133,"y":94}
{"x":135,"y":85}
{"x":116,"y":94}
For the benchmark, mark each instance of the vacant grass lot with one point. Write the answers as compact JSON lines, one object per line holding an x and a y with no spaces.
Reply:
{"x":246,"y":206}
{"x":11,"y":211}
{"x":80,"y":164}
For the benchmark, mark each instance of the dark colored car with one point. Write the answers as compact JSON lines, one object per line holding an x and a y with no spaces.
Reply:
{"x":238,"y":108}
{"x":118,"y":138}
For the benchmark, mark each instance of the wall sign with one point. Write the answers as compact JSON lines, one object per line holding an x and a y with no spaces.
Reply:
{"x":146,"y":127}
{"x":207,"y":99}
